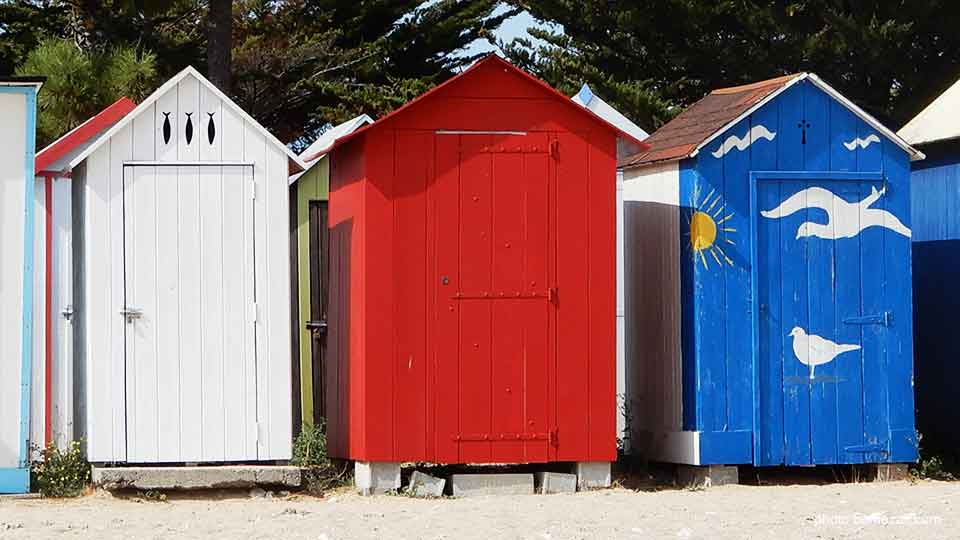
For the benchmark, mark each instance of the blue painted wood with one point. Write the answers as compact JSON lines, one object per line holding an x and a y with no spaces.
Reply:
{"x":873,"y":277}
{"x":689,"y":321}
{"x":726,"y":447}
{"x":769,"y":331}
{"x":14,"y":480}
{"x":935,"y":265}
{"x":711,"y":292}
{"x":731,"y":255}
{"x":849,"y":366}
{"x":740,"y":370}
{"x":899,"y":334}
{"x":822,"y":287}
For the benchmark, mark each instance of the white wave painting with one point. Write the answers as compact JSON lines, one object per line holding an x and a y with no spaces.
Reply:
{"x":756,"y":133}
{"x":862,"y":143}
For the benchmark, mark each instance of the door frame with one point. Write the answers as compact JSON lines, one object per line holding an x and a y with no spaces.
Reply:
{"x":755,"y":178}
{"x":131,"y":164}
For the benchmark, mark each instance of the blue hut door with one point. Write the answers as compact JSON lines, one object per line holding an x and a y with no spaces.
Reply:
{"x":822,"y":322}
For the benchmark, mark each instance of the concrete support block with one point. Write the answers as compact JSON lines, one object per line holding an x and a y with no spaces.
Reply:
{"x":593,"y":475}
{"x":424,"y":485}
{"x":707,"y":475}
{"x":553,"y":482}
{"x":371,"y":477}
{"x":206,"y":477}
{"x":881,"y":472}
{"x":472,"y":485}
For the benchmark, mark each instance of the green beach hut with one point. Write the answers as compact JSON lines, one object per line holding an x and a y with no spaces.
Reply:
{"x":308,"y":248}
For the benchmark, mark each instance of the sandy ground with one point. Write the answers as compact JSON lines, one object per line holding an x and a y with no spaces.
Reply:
{"x":876,"y":511}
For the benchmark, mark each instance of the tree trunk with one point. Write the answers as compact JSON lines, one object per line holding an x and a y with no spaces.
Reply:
{"x":220,"y":43}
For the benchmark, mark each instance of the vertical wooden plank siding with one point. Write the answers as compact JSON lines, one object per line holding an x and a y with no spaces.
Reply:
{"x":312,"y":186}
{"x":574,"y":356}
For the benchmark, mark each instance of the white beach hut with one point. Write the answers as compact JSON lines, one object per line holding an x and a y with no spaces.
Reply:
{"x":181,"y":289}
{"x":18,"y":109}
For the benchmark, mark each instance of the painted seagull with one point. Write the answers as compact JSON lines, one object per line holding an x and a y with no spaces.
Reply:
{"x":844,"y":219}
{"x":814,"y":350}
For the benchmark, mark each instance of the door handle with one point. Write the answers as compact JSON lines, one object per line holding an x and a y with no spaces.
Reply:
{"x":317,"y":327}
{"x":131,"y":314}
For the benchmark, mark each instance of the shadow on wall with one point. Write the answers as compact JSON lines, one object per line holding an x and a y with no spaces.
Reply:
{"x":652,"y":296}
{"x":337,"y":376}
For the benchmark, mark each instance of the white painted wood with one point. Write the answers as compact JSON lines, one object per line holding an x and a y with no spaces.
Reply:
{"x":673,"y":446}
{"x":196,"y":250}
{"x":211,"y":310}
{"x":621,"y":306}
{"x":658,"y":183}
{"x":276,"y":306}
{"x":653,"y":355}
{"x":62,"y":301}
{"x":121,"y":148}
{"x":191,"y":319}
{"x":38,"y":368}
{"x":173,"y":83}
{"x":255,"y":150}
{"x":169,"y":354}
{"x":13,"y":111}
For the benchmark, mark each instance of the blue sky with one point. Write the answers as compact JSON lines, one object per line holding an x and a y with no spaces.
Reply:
{"x":512,"y":28}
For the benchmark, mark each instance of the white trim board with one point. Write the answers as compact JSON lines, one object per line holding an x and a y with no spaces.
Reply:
{"x":169,"y":85}
{"x":915,"y":155}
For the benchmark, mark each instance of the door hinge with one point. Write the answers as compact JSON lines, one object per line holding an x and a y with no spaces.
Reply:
{"x":883,"y":319}
{"x":253,"y":190}
{"x":254,"y":312}
{"x":552,"y":295}
{"x":555,"y":148}
{"x":555,"y":437}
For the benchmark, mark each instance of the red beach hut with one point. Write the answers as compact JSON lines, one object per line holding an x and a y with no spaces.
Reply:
{"x":473,"y":287}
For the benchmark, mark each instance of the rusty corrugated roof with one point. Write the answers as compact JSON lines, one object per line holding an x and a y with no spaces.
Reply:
{"x":682,"y":135}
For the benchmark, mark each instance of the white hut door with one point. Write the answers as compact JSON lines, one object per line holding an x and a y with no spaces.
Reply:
{"x":189,"y":312}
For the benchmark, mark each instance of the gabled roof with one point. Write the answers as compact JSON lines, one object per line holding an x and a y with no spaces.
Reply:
{"x":23,"y":80}
{"x":322,"y":145}
{"x":722,"y":109}
{"x":489,"y":59}
{"x":601,"y":108}
{"x":57,"y":156}
{"x":937,"y":122}
{"x":189,"y":71}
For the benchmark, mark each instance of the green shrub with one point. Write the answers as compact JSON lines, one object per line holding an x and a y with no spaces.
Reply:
{"x":310,"y":448}
{"x":320,"y":474}
{"x":61,"y":473}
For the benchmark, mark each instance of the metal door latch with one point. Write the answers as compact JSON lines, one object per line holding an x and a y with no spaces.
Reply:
{"x":131,"y":314}
{"x":67,"y":313}
{"x":317,"y":327}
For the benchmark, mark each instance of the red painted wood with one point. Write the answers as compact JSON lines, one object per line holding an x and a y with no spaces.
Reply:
{"x":83,"y":132}
{"x":573,"y":293}
{"x":409,"y":355}
{"x":48,"y":314}
{"x":446,"y":279}
{"x":472,"y":319}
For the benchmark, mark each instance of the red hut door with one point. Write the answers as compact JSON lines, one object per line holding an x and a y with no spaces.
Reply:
{"x":495,"y":298}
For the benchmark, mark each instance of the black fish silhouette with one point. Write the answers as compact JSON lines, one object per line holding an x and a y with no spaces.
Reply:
{"x":189,"y":130}
{"x":211,"y":128}
{"x":166,"y":128}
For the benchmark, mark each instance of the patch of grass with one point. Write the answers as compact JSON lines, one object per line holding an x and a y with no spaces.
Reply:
{"x":320,"y":474}
{"x":61,"y":473}
{"x":935,"y":464}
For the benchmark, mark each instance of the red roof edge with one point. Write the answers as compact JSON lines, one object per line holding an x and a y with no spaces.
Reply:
{"x":492,"y":57}
{"x":78,"y":135}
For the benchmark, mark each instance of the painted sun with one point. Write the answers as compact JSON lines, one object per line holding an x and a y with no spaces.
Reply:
{"x":707,"y":230}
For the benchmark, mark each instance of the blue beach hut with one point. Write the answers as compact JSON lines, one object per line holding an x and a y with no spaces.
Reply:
{"x":766,"y":298}
{"x":935,"y":202}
